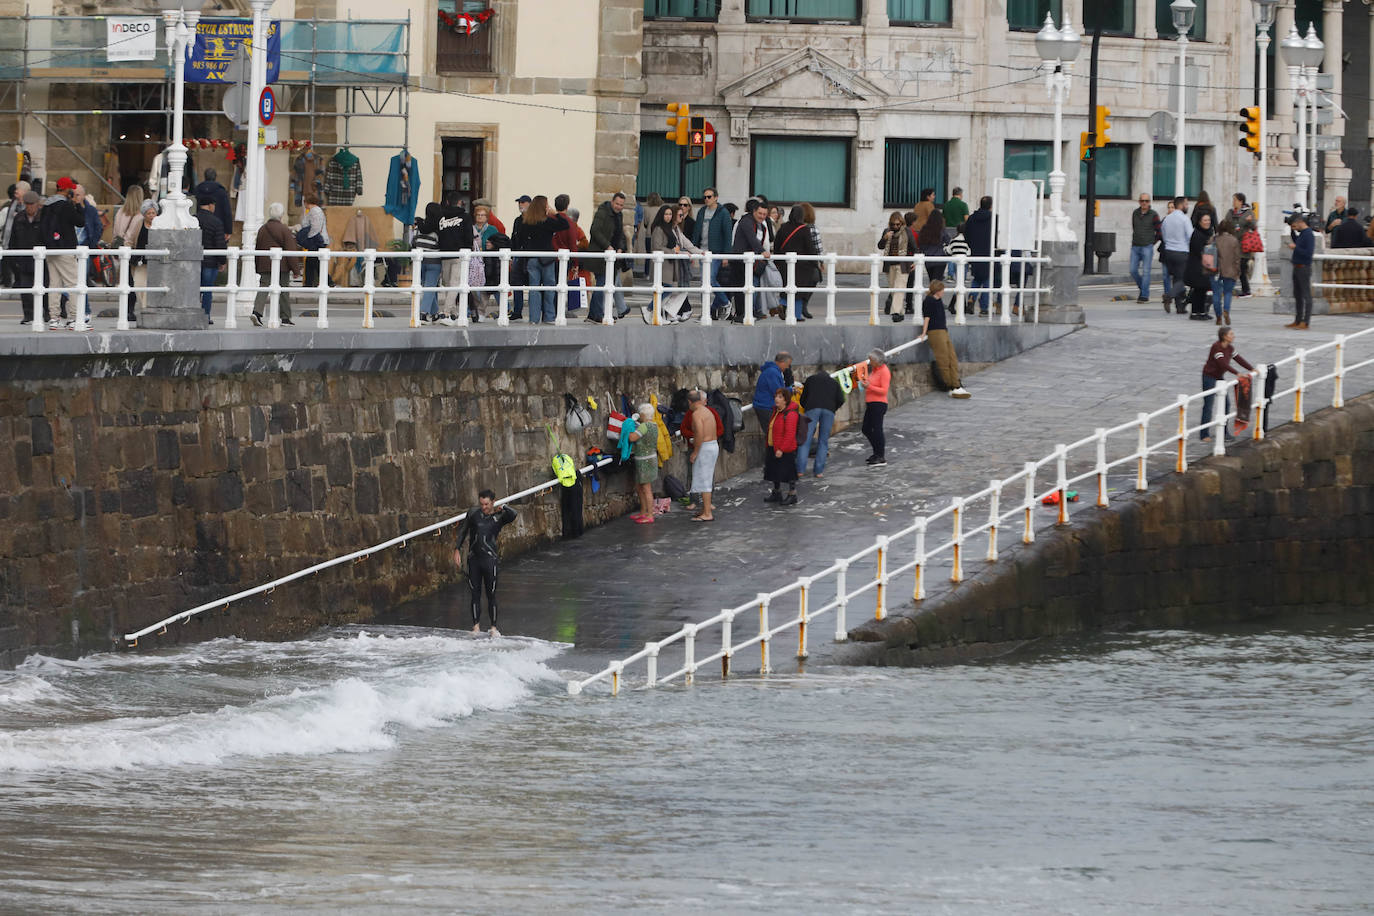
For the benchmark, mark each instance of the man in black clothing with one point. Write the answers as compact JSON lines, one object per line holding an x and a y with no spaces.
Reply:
{"x":481,"y":526}
{"x":211,"y":239}
{"x":751,"y":234}
{"x":220,"y":195}
{"x":821,"y":398}
{"x":455,"y":235}
{"x":1349,"y":234}
{"x":25,"y":234}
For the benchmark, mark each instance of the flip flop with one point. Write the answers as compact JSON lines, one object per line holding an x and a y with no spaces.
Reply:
{"x":644,"y":520}
{"x":698,"y":518}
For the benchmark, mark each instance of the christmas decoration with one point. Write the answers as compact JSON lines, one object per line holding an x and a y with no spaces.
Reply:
{"x":465,"y":23}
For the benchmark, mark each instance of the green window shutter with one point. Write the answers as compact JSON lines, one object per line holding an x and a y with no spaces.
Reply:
{"x":847,"y":10}
{"x":681,"y":9}
{"x":1030,"y":14}
{"x":1113,"y":172}
{"x":901,"y":11}
{"x":1117,"y":17}
{"x":909,"y":166}
{"x":1164,"y":23}
{"x":794,"y":169}
{"x":1022,"y":159}
{"x":658,"y":169}
{"x":1164,"y":157}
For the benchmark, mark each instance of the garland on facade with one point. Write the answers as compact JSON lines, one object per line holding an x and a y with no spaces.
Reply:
{"x":465,"y":23}
{"x":234,"y":154}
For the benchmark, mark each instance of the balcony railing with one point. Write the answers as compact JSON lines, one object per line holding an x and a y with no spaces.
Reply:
{"x":457,"y":53}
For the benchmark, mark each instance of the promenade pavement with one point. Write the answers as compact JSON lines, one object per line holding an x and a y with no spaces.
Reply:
{"x":623,"y":584}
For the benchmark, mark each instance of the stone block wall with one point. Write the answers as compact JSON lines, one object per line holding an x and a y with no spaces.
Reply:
{"x":134,"y":489}
{"x":1284,"y":525}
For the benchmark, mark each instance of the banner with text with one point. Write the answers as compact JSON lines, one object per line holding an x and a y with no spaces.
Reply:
{"x":130,"y":38}
{"x":216,"y":42}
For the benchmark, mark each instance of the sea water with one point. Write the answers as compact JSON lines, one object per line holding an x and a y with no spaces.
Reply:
{"x":386,"y":769}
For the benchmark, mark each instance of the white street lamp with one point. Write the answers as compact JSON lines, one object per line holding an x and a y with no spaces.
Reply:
{"x":1314,"y":52}
{"x":180,"y":18}
{"x":1265,"y":10}
{"x":1182,"y":12}
{"x":1298,"y":54}
{"x":1058,"y":49}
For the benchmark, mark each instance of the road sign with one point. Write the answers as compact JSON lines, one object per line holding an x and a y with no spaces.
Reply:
{"x":236,"y":107}
{"x":1327,"y":144}
{"x":701,"y":140}
{"x":267,"y":105}
{"x":1162,"y":127}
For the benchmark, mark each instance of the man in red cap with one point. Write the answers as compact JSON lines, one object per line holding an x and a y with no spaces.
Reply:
{"x":59,"y":221}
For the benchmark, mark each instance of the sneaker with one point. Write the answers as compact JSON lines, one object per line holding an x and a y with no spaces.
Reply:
{"x":790,"y":500}
{"x":875,"y":460}
{"x":210,"y":321}
{"x":1244,"y":295}
{"x":26,"y":321}
{"x":1142,"y":298}
{"x":288,"y":321}
{"x":256,"y":319}
{"x":961,"y":392}
{"x":56,"y":324}
{"x":896,"y":317}
{"x":774,"y":497}
{"x":447,"y":321}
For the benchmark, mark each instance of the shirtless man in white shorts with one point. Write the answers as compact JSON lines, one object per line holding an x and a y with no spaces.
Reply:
{"x":705,"y":451}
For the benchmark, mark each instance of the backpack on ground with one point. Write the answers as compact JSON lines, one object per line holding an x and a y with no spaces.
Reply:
{"x":673,"y":488}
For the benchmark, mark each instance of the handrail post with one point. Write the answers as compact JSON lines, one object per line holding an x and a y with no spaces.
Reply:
{"x":764,"y":667}
{"x":464,"y":287}
{"x":1223,"y":390}
{"x":879,"y":610}
{"x":1101,"y":434}
{"x":122,"y":306}
{"x":369,"y":283}
{"x":960,"y":289}
{"x":748,"y":316}
{"x":1028,"y":535}
{"x":503,"y":292}
{"x":1181,"y":463}
{"x":231,"y":286}
{"x":957,"y":572}
{"x":805,"y":590}
{"x":1006,"y":286}
{"x":1338,"y":393}
{"x":841,"y":602}
{"x":707,"y":292}
{"x":560,"y":318}
{"x":79,"y":322}
{"x":608,"y":291}
{"x":1261,"y":404}
{"x":417,"y":292}
{"x":40,"y":292}
{"x":616,"y":670}
{"x":1142,"y":458}
{"x":657,"y":274}
{"x":830,"y":262}
{"x":1298,"y":385}
{"x":727,"y":650}
{"x":274,"y":290}
{"x":790,"y":317}
{"x":651,"y":676}
{"x":689,"y":653}
{"x":994,"y":511}
{"x":874,"y":266}
{"x":322,"y":319}
{"x":1061,"y":470}
{"x":918,"y":592}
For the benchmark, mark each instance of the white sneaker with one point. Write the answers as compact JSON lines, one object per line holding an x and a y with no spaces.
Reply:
{"x":646,"y":314}
{"x":56,"y":324}
{"x":448,"y":320}
{"x":960,"y":393}
{"x":493,"y":632}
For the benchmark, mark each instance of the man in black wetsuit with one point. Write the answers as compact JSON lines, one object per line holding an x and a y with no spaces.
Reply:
{"x":482,"y":524}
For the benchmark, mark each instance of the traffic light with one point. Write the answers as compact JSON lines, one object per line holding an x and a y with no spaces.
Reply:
{"x":1101,"y":125}
{"x":1085,"y":146}
{"x":696,"y":139}
{"x":677,"y":126}
{"x":1250,"y":129}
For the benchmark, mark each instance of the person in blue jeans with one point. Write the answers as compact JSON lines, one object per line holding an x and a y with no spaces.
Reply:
{"x":211,"y":238}
{"x":821,"y":397}
{"x":1144,"y":236}
{"x":534,"y":232}
{"x":1228,"y":270}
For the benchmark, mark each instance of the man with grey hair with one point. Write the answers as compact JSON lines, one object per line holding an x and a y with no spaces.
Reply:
{"x":705,"y":452}
{"x":274,"y":234}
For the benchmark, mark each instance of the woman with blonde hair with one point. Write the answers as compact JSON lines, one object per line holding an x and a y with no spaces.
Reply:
{"x":895,"y":242}
{"x":129,"y":218}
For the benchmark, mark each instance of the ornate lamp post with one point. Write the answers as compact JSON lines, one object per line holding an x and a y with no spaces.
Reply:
{"x":1058,"y":49}
{"x":1299,"y":55}
{"x":1315,"y":51}
{"x":1183,"y":12}
{"x":180,"y":17}
{"x":1265,"y":11}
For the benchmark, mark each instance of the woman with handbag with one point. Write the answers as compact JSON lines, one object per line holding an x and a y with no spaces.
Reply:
{"x":312,"y":236}
{"x":1202,"y":264}
{"x":797,"y":238}
{"x":930,"y":241}
{"x":894,"y":243}
{"x":663,"y":237}
{"x":1242,"y":219}
{"x":1228,"y":270}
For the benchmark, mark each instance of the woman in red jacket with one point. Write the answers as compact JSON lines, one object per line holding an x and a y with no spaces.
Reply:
{"x":875,"y":405}
{"x":780,"y":461}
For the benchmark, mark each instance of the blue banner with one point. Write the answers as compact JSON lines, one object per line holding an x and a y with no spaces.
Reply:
{"x":217,"y":41}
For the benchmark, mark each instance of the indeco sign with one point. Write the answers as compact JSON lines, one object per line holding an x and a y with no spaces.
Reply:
{"x":130,"y":38}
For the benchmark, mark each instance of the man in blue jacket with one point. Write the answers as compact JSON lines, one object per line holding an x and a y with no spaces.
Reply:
{"x":773,"y":376}
{"x":712,"y":232}
{"x":1303,"y":244}
{"x":978,"y":234}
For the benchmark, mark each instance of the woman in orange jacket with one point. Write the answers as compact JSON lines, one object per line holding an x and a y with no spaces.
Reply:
{"x":875,"y":405}
{"x":780,"y":460}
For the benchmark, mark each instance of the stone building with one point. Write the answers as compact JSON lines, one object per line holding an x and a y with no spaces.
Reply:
{"x":541,"y":97}
{"x":856,"y":105}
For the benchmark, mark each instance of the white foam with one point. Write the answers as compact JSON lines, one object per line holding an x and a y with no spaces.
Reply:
{"x":446,"y":679}
{"x":23,"y":690}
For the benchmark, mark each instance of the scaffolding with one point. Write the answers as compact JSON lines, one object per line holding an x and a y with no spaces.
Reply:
{"x":365,"y":60}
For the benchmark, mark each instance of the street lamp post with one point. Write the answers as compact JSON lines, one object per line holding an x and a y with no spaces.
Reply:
{"x":1299,"y":55}
{"x":180,"y":18}
{"x":1183,"y":12}
{"x":1315,"y":51}
{"x":1058,"y":49}
{"x":1265,"y":11}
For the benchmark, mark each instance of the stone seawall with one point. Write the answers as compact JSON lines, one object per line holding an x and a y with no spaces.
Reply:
{"x":141,"y":479}
{"x":1281,"y":525}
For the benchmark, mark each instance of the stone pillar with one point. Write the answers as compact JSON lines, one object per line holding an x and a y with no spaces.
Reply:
{"x":1283,"y":83}
{"x":731,"y":12}
{"x":1060,"y":304}
{"x":619,"y":88}
{"x":177,"y":309}
{"x":1335,"y":175}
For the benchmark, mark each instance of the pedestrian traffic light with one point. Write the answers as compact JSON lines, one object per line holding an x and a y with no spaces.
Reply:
{"x":677,"y":125}
{"x":696,"y":139}
{"x":1250,"y":129}
{"x":1085,"y":146}
{"x":1101,"y":125}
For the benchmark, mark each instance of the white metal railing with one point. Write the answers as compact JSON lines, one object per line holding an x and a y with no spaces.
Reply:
{"x":81,"y":290}
{"x":243,"y":282}
{"x":978,"y":520}
{"x":399,"y":540}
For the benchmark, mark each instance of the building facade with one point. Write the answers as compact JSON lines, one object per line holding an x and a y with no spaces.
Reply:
{"x":856,"y":105}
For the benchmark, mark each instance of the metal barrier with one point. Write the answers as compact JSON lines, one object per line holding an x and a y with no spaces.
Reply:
{"x":82,"y":289}
{"x":243,"y":283}
{"x":1087,"y":462}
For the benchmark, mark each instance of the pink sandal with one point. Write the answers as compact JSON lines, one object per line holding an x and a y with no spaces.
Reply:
{"x":643,"y":519}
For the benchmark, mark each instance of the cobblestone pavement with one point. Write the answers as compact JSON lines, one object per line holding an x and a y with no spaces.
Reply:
{"x":623,"y":584}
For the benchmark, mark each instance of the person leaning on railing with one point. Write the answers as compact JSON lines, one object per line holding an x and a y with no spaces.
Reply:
{"x":795,"y":236}
{"x":274,"y":234}
{"x":1219,"y":358}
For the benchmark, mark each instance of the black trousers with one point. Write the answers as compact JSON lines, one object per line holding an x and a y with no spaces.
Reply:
{"x":1302,"y":292}
{"x":570,"y":510}
{"x":873,"y":427}
{"x":1197,"y":299}
{"x":482,"y":579}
